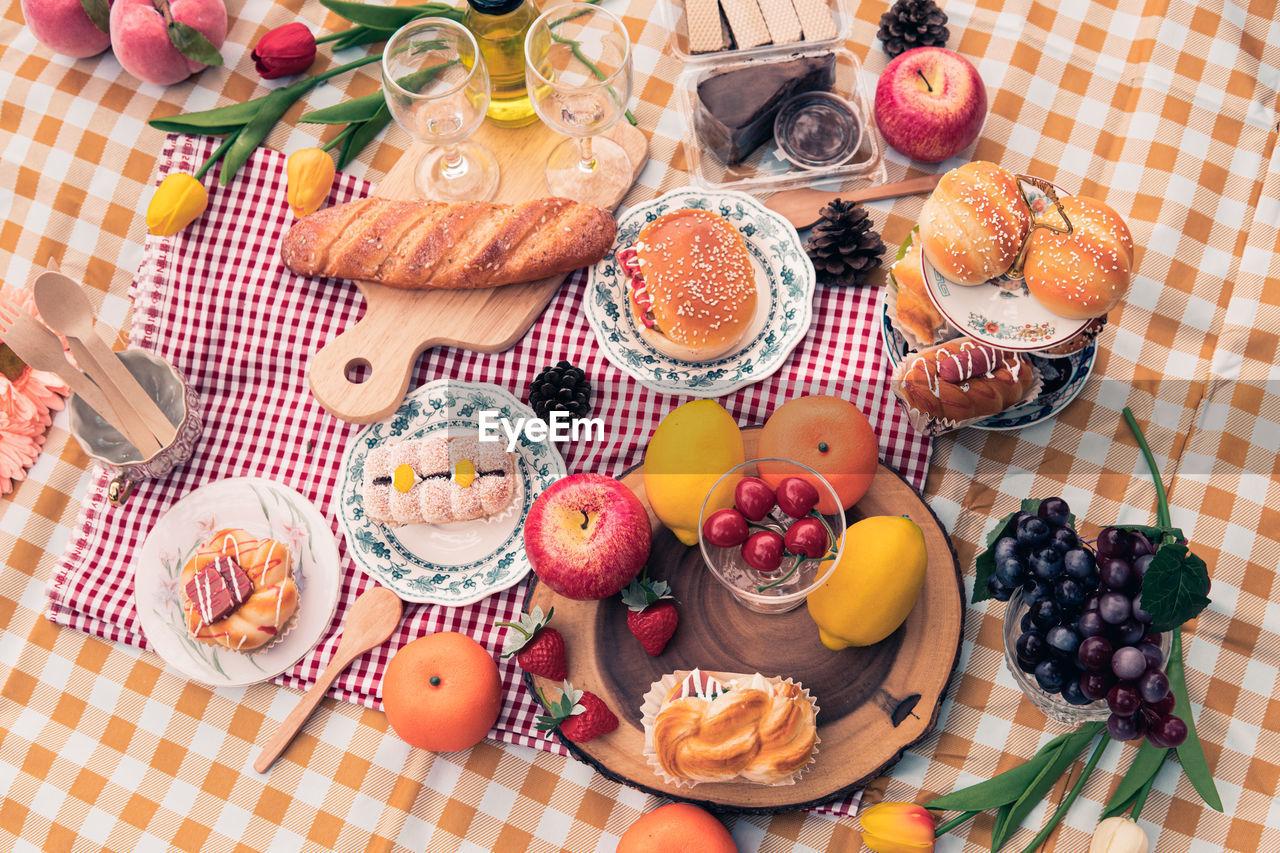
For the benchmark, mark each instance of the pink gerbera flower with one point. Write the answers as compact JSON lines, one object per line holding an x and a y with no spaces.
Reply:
{"x":28,"y":399}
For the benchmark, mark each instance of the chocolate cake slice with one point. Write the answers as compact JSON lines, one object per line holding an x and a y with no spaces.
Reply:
{"x":735,"y":110}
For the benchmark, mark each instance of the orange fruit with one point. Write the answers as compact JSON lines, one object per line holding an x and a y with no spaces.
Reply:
{"x":677,"y":828}
{"x":829,"y":435}
{"x":442,"y":692}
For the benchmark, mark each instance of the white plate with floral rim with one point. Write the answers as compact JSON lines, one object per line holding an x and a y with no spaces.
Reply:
{"x":461,"y":562}
{"x":1002,"y":312}
{"x":263,"y":508}
{"x":1062,"y":379}
{"x":783,"y":271}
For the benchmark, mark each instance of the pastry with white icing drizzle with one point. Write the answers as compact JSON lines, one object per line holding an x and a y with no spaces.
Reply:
{"x":238,"y":591}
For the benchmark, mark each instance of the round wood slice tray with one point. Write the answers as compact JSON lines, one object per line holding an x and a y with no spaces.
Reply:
{"x":875,"y":701}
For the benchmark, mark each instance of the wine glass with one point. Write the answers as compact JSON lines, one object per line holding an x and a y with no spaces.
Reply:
{"x":578,"y":71}
{"x":437,"y":88}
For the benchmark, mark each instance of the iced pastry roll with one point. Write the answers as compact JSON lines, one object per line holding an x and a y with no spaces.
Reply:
{"x":436,"y":480}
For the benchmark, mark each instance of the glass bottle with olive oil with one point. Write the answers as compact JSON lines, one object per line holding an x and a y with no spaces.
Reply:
{"x":499,"y":27}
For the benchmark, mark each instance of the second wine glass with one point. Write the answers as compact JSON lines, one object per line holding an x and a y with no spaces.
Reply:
{"x":578,"y":71}
{"x":437,"y":88}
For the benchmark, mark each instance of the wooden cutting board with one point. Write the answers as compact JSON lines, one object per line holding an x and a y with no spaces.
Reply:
{"x":874,"y":702}
{"x":362,"y":375}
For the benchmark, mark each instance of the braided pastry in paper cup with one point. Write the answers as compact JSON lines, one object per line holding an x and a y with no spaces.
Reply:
{"x":728,"y":727}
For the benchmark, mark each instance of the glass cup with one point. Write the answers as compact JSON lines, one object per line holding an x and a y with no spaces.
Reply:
{"x":782,"y":590}
{"x":437,"y":89}
{"x":1051,"y":704}
{"x":578,"y":73}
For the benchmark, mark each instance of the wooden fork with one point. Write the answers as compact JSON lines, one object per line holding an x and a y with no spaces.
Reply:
{"x":40,"y":348}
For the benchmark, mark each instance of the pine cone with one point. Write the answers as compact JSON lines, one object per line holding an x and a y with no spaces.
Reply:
{"x":563,"y":388}
{"x":844,"y":246}
{"x":913,"y":23}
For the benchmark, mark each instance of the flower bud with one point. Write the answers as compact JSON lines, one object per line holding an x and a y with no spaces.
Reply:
{"x":285,"y":50}
{"x":310,"y":175}
{"x":1118,"y":835}
{"x":178,"y":201}
{"x":897,"y":828}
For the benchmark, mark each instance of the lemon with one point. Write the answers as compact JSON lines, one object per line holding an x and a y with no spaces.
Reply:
{"x":875,"y":583}
{"x":690,"y":450}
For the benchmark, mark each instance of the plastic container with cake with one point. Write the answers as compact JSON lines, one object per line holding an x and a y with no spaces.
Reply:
{"x":732,"y":103}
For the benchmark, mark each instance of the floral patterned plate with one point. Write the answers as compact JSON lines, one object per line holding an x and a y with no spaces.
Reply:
{"x":456,"y":563}
{"x":1063,"y":378}
{"x":1002,"y":312}
{"x":784,"y":274}
{"x":263,"y":508}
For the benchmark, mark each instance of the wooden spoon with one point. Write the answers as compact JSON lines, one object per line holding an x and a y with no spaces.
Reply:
{"x":65,"y":306}
{"x":373,"y":617}
{"x":800,"y":207}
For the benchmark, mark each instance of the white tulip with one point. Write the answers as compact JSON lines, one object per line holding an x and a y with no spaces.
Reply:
{"x":1118,"y":835}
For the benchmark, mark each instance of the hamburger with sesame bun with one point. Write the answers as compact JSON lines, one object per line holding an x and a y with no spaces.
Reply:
{"x":1086,"y":273}
{"x":693,"y":289}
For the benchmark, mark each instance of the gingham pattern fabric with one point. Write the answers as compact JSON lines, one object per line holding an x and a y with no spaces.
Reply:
{"x":217,"y":303}
{"x":1166,"y":110}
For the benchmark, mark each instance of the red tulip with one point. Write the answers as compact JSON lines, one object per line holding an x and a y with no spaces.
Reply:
{"x":285,"y":50}
{"x":897,"y":828}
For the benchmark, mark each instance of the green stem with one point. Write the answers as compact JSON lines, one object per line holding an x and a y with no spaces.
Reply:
{"x":331,"y":37}
{"x":216,"y":155}
{"x":954,"y":822}
{"x":1162,"y":500}
{"x":1141,"y":798}
{"x":355,"y":63}
{"x":799,"y":559}
{"x":332,"y":143}
{"x":1070,"y":799}
{"x":576,"y":47}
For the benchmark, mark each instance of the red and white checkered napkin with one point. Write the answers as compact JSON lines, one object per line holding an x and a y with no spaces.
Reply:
{"x":217,"y":303}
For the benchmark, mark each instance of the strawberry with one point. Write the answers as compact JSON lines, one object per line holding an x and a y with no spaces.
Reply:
{"x":538,"y":649}
{"x":651,"y":613}
{"x":580,"y":715}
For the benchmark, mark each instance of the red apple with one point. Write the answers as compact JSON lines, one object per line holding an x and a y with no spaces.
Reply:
{"x":587,"y":536}
{"x":930,"y":103}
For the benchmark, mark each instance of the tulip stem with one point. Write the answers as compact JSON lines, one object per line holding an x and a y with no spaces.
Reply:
{"x":346,"y":131}
{"x":331,"y":37}
{"x":1140,"y":799}
{"x":964,"y":817}
{"x":1071,"y":796}
{"x":217,"y":154}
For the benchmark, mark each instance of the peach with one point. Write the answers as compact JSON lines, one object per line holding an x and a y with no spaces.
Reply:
{"x":140,"y":38}
{"x":63,"y":27}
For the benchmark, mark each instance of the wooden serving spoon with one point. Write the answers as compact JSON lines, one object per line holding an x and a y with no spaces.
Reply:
{"x":800,"y":207}
{"x":373,"y":617}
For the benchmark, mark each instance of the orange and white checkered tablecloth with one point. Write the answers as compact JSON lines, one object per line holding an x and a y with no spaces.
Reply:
{"x":1167,"y":112}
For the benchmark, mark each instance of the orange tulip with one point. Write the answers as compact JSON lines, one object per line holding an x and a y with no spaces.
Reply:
{"x":897,"y":828}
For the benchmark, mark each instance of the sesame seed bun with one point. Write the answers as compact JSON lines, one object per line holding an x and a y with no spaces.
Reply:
{"x":974,"y":223}
{"x":699,"y":284}
{"x":1085,"y":273}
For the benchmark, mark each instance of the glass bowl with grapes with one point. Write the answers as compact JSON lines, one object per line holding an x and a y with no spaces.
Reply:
{"x":769,"y":545}
{"x":1076,"y":637}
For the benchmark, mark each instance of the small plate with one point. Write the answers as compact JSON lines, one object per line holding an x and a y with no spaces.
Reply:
{"x":784,"y":275}
{"x":1063,"y":378}
{"x":263,"y":508}
{"x":451,"y":564}
{"x":1002,"y":312}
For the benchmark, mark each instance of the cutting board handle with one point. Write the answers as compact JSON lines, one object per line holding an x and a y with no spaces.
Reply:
{"x":380,"y":350}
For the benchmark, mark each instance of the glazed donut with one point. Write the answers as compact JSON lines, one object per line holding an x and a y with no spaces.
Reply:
{"x":260,"y":606}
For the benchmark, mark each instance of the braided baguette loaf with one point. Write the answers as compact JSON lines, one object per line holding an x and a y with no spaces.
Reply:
{"x":961,"y":381}
{"x":430,"y":244}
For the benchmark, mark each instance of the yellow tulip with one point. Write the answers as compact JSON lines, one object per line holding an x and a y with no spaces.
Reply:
{"x":310,"y":173}
{"x":897,"y":828}
{"x":178,"y":201}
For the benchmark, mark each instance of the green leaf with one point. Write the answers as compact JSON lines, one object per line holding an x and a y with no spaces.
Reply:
{"x":985,"y":565}
{"x":192,"y":44}
{"x":1152,"y":532}
{"x":99,"y":12}
{"x":354,"y":110}
{"x":389,"y":17}
{"x":1067,"y":753}
{"x":1145,"y":765}
{"x":1175,"y":587}
{"x":214,"y":122}
{"x":906,"y":244}
{"x":999,"y":790}
{"x":363,"y":135}
{"x":361,"y":35}
{"x":1191,"y":753}
{"x":273,"y":106}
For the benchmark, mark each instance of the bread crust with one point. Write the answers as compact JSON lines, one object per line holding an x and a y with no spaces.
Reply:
{"x":974,"y":223}
{"x":433,"y":245}
{"x":1086,"y":273}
